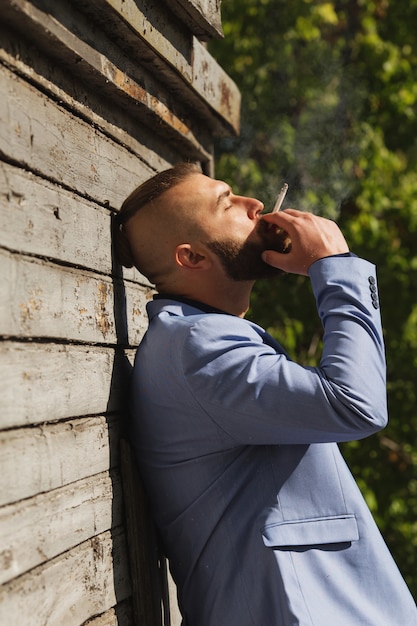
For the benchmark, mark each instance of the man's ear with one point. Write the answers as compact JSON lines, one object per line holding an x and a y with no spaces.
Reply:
{"x":186,"y":257}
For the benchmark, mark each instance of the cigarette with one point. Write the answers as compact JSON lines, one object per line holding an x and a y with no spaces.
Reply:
{"x":280,"y":198}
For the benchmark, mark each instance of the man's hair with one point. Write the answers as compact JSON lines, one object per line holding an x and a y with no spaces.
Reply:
{"x":142,"y":195}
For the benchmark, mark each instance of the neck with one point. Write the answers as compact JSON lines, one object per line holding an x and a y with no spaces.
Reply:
{"x":229,"y":296}
{"x":231,"y":300}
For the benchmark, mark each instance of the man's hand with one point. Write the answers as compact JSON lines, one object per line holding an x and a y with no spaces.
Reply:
{"x":312,"y":238}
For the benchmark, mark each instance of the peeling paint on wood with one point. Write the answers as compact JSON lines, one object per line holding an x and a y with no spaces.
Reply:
{"x":209,"y":78}
{"x":202,"y":16}
{"x":97,"y":96}
{"x":70,"y":304}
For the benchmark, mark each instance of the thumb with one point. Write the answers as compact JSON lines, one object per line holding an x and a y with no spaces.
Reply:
{"x":267,"y":257}
{"x":271,"y":257}
{"x":287,"y":262}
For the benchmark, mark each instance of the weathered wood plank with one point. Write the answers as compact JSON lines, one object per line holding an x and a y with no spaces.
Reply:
{"x":46,"y":139}
{"x":43,"y":219}
{"x":127,"y":83}
{"x":37,"y":460}
{"x":42,"y":382}
{"x":201,"y":16}
{"x":75,"y":91}
{"x":151,"y":25}
{"x":86,"y":116}
{"x":40,"y":218}
{"x":154,"y":29}
{"x":210,"y":78}
{"x":69,"y":589}
{"x":175,"y":615}
{"x":40,"y":299}
{"x":121,"y":615}
{"x":37,"y":529}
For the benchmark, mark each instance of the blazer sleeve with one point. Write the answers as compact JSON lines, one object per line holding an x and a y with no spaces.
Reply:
{"x":257,"y":395}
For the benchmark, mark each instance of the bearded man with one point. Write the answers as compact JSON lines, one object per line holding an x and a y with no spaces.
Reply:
{"x":260,"y":518}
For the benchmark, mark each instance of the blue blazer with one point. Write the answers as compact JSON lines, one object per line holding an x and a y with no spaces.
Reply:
{"x":260,"y":517}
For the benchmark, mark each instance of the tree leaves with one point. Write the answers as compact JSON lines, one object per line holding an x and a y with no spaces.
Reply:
{"x":330,"y":106}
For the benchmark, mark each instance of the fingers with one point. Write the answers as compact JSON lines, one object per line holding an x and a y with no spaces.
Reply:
{"x":291,"y":217}
{"x":312,"y":238}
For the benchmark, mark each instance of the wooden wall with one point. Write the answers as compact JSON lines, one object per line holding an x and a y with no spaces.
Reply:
{"x":97,"y":95}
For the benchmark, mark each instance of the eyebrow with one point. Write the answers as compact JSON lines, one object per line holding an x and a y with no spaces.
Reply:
{"x":223,"y":195}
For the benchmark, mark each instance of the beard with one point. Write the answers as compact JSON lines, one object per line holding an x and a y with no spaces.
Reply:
{"x":242,"y":261}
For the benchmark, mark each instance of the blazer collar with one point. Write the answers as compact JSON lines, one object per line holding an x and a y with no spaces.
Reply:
{"x":201,"y":306}
{"x":177,"y":305}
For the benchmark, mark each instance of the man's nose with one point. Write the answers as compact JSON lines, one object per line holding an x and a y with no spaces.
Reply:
{"x":254,"y":208}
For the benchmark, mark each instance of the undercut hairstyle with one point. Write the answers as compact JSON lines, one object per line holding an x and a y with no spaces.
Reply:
{"x":141,"y":196}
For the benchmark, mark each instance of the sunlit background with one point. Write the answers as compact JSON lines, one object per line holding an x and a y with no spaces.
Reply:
{"x":329,"y":94}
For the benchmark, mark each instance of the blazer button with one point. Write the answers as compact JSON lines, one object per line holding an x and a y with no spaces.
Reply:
{"x":374,"y":291}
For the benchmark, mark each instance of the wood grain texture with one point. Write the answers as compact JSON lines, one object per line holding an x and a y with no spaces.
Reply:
{"x":121,"y":615}
{"x":83,"y":100}
{"x":117,"y":76}
{"x":38,"y":137}
{"x":41,"y":299}
{"x":210,"y":78}
{"x":42,"y":382}
{"x":40,"y":459}
{"x":201,"y":16}
{"x":85,"y":581}
{"x":175,"y":54}
{"x":45,"y":220}
{"x":97,"y":96}
{"x":38,"y":529}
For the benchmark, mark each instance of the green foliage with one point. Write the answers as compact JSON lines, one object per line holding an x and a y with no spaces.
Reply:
{"x":330,"y":105}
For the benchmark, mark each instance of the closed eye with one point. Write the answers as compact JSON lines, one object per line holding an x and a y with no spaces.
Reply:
{"x":225,"y":195}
